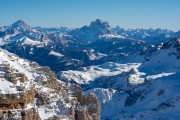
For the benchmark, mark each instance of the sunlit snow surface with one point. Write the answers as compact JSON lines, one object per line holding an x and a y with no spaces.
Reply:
{"x":56,"y":54}
{"x":155,"y":86}
{"x":88,"y":74}
{"x":55,"y":106}
{"x":18,"y":64}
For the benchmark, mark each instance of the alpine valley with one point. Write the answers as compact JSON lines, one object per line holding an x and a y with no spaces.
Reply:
{"x":89,"y":73}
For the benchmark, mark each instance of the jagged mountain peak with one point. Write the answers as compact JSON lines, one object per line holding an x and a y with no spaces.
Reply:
{"x":20,"y":26}
{"x":99,"y":20}
{"x":176,"y":42}
{"x":99,"y":23}
{"x":19,"y":22}
{"x":118,"y":28}
{"x":96,"y":29}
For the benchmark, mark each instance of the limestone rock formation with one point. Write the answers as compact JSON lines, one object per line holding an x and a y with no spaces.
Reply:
{"x":31,"y":92}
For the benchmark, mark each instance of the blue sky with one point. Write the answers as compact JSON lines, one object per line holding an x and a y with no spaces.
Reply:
{"x":76,"y":13}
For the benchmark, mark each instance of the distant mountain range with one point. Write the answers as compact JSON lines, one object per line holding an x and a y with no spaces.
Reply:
{"x":89,"y":45}
{"x":133,"y":72}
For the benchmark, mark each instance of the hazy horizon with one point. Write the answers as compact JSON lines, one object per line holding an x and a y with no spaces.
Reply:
{"x":72,"y":14}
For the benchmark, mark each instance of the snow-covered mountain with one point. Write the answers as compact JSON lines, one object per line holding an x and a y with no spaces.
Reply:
{"x":36,"y":44}
{"x":92,"y":32}
{"x":56,"y":30}
{"x":19,"y":26}
{"x":147,"y":90}
{"x":151,"y":36}
{"x":29,"y":91}
{"x":133,"y":72}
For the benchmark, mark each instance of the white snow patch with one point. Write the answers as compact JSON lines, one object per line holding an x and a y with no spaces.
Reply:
{"x":28,"y":41}
{"x":56,"y":54}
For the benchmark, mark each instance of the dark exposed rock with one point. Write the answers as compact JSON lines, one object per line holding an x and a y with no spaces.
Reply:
{"x":132,"y":98}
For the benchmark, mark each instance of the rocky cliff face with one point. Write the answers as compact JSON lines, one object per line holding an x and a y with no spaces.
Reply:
{"x":92,"y":32}
{"x":31,"y":92}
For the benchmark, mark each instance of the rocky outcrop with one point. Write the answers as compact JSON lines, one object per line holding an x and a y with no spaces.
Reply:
{"x":30,"y":114}
{"x":93,"y":106}
{"x":38,"y":88}
{"x":14,"y":105}
{"x":87,"y":107}
{"x":82,"y":114}
{"x":24,"y":98}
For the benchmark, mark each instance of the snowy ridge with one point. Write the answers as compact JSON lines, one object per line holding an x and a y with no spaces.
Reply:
{"x":133,"y":72}
{"x":19,"y":65}
{"x":53,"y":98}
{"x":88,"y":74}
{"x":92,"y":32}
{"x":153,"y":85}
{"x":27,"y":41}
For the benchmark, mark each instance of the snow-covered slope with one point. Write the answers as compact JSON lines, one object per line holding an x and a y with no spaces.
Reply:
{"x":25,"y":87}
{"x":92,"y":32}
{"x":86,"y":75}
{"x":151,"y":36}
{"x":27,"y":41}
{"x":19,"y":26}
{"x":125,"y":68}
{"x":147,"y":91}
{"x":36,"y":43}
{"x":56,"y":54}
